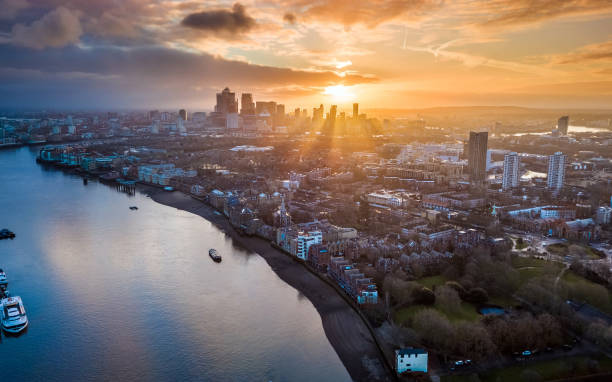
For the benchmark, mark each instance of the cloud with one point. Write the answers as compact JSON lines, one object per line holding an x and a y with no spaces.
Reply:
{"x":11,"y":8}
{"x":149,"y":74}
{"x":508,"y":13}
{"x":290,"y":18}
{"x":370,"y":13}
{"x":57,"y":28}
{"x":587,"y":54}
{"x":221,"y":22}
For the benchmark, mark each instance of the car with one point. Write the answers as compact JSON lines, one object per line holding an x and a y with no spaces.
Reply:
{"x":458,"y":363}
{"x":526,"y":353}
{"x":567,"y":347}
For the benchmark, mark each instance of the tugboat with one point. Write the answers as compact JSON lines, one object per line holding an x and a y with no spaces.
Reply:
{"x":3,"y":279}
{"x":214,"y":255}
{"x":14,"y":318}
{"x":6,"y":234}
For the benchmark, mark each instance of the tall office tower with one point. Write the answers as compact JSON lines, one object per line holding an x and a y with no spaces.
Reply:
{"x":355,"y":110}
{"x":226,"y":102}
{"x":563,"y":124}
{"x":556,"y":170}
{"x":265,"y":107}
{"x":332,"y":113}
{"x":279,"y":118}
{"x":477,"y":156}
{"x":512,"y":165}
{"x":317,"y":113}
{"x":183,"y":114}
{"x":297,"y":112}
{"x":247,"y":106}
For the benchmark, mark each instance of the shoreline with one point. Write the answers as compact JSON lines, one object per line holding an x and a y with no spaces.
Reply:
{"x":344,"y":328}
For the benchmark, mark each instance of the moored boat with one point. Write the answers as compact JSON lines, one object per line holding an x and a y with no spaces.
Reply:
{"x":214,"y":255}
{"x":14,"y":318}
{"x":6,"y":234}
{"x":3,"y":279}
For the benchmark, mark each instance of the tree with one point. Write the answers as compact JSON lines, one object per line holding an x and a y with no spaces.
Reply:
{"x":434,"y":329}
{"x":364,"y":209}
{"x":424,"y":296}
{"x":477,"y":296}
{"x":447,"y":299}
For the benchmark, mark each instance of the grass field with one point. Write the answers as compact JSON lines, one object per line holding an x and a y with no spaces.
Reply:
{"x":431,"y":282}
{"x":466,"y":313}
{"x":575,"y":280}
{"x":548,"y":370}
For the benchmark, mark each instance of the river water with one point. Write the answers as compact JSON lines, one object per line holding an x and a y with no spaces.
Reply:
{"x":115,"y":294}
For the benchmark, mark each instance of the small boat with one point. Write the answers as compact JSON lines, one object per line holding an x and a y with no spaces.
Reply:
{"x":133,"y":208}
{"x":214,"y":255}
{"x":6,"y":234}
{"x":14,"y":318}
{"x":3,"y":279}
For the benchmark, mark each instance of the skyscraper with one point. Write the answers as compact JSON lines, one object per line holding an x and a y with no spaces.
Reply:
{"x":226,"y":102}
{"x":183,"y":114}
{"x":556,"y":170}
{"x":355,"y":110}
{"x":563,"y":124}
{"x":247,"y":106}
{"x":477,"y":156}
{"x":511,"y":171}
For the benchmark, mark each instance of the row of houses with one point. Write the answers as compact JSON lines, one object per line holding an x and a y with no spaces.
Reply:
{"x":352,"y":280}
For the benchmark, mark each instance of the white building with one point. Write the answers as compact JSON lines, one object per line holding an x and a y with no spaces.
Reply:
{"x":604,"y":215}
{"x":556,"y":170}
{"x":384,"y":199}
{"x":410,"y":359}
{"x":511,"y":176}
{"x":231,"y":121}
{"x":305,"y":240}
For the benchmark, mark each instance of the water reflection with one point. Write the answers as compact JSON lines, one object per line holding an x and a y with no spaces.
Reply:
{"x":132,"y":295}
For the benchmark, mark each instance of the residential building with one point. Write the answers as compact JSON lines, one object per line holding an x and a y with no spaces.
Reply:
{"x":604,"y":215}
{"x":303,"y":241}
{"x":556,"y":171}
{"x":511,"y":171}
{"x":477,"y":156}
{"x":563,"y":124}
{"x":410,"y":360}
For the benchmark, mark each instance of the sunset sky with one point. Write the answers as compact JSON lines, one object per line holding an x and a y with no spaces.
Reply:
{"x":98,"y":54}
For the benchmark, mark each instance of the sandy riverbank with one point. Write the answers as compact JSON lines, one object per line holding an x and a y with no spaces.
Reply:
{"x":343,"y":327}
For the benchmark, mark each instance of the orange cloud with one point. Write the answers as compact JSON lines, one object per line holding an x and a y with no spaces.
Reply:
{"x":520,"y":12}
{"x":589,"y":53}
{"x":370,"y":13}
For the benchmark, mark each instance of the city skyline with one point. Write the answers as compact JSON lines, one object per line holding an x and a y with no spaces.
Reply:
{"x":95,"y":55}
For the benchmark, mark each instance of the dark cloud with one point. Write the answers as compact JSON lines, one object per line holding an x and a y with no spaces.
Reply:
{"x":57,"y":28}
{"x":139,"y":76}
{"x":290,"y":18}
{"x":221,"y":22}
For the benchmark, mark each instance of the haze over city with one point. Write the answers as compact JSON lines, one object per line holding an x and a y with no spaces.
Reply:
{"x":95,"y":54}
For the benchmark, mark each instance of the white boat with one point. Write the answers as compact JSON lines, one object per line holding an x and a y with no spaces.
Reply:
{"x":214,"y":255}
{"x":3,"y":279}
{"x":14,"y":318}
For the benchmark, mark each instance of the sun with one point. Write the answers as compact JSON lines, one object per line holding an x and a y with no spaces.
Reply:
{"x":339,"y":93}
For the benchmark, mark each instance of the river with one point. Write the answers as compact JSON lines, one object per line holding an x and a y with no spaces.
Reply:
{"x":116,"y":294}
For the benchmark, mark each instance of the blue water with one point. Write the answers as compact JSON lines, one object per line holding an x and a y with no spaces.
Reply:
{"x":492,"y":310}
{"x":115,"y":294}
